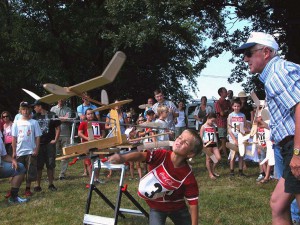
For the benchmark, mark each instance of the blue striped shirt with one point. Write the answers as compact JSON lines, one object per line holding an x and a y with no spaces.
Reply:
{"x":281,"y":79}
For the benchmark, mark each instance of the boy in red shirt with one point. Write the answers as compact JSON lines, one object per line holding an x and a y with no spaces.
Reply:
{"x":170,"y":181}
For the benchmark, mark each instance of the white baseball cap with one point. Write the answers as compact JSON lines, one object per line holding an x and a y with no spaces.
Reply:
{"x":258,"y":38}
{"x":128,"y":131}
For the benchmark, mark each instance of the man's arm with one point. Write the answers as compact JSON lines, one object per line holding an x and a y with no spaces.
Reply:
{"x":295,"y":162}
{"x":194,"y":214}
{"x":57,"y":133}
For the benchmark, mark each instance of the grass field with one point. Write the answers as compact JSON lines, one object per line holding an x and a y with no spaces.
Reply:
{"x":226,"y":200}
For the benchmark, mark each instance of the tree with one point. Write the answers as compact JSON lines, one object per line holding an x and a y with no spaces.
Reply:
{"x":66,"y":42}
{"x":280,"y":18}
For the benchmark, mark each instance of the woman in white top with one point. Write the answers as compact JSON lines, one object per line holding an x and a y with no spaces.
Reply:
{"x":180,"y":123}
{"x":201,"y":112}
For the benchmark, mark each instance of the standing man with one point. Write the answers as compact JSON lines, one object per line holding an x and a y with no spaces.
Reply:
{"x":223,"y":108}
{"x":281,"y":80}
{"x":172,"y":109}
{"x":50,"y":127}
{"x":63,"y":112}
{"x":86,"y":105}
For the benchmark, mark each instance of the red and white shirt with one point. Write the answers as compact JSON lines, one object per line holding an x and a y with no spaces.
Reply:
{"x":261,"y":135}
{"x":209,"y":134}
{"x":165,"y":187}
{"x":236,"y":122}
{"x":96,"y":129}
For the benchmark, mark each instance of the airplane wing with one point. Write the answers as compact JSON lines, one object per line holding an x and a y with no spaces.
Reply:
{"x":108,"y":76}
{"x":52,"y":98}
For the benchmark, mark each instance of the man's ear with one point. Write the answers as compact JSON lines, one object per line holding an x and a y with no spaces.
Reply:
{"x":267,"y":52}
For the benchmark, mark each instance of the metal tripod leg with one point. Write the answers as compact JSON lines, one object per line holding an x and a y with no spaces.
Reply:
{"x":119,"y":195}
{"x":89,"y":199}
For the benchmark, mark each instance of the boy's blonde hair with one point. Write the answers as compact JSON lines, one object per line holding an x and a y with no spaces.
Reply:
{"x":161,"y":109}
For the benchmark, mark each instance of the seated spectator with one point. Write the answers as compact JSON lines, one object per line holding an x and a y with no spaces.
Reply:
{"x":10,"y":168}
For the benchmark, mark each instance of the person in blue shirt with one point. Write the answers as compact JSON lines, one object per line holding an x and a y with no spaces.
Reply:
{"x":86,"y":105}
{"x":281,"y":81}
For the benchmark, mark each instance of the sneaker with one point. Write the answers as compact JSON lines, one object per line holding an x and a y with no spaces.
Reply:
{"x":51,"y":187}
{"x":241,"y":174}
{"x":28,"y":193}
{"x":98,"y":181}
{"x":17,"y":200}
{"x":231,"y":174}
{"x":62,"y":178}
{"x":37,"y":189}
{"x":216,"y":174}
{"x":260,"y":177}
{"x":8,"y":194}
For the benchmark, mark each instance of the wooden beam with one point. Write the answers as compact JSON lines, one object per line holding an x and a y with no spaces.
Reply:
{"x":83,"y":148}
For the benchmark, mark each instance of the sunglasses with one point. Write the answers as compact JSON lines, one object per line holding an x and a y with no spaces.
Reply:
{"x":249,"y":52}
{"x":5,"y":116}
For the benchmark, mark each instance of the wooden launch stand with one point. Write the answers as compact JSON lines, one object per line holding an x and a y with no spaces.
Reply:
{"x":92,"y":149}
{"x":122,"y":189}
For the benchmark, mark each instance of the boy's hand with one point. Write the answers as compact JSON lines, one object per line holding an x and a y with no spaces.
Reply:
{"x":14,"y":164}
{"x":53,"y":142}
{"x":35,"y":152}
{"x":115,"y":159}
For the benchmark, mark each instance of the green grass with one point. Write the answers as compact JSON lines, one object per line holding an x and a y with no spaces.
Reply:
{"x":222,"y":201}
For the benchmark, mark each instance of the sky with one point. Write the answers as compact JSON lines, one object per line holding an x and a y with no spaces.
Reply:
{"x":218,"y":70}
{"x":208,"y":83}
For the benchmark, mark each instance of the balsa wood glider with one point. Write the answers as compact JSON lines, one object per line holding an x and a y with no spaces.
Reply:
{"x":104,"y":145}
{"x":108,"y":76}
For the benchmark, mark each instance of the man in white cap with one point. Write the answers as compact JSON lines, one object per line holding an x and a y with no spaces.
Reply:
{"x":281,"y":80}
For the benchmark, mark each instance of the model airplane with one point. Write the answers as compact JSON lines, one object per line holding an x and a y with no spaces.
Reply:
{"x":105,"y":145}
{"x":108,"y":76}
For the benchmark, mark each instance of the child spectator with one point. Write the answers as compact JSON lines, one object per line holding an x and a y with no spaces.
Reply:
{"x":132,"y":133}
{"x":148,"y":131}
{"x":236,"y":124}
{"x":170,"y":181}
{"x":265,"y":176}
{"x":208,"y":133}
{"x":83,"y":134}
{"x":223,"y":108}
{"x":162,"y":112}
{"x":26,"y":134}
{"x":50,"y":127}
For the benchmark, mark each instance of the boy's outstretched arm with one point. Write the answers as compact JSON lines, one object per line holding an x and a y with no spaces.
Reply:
{"x":130,"y":157}
{"x":194,"y":214}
